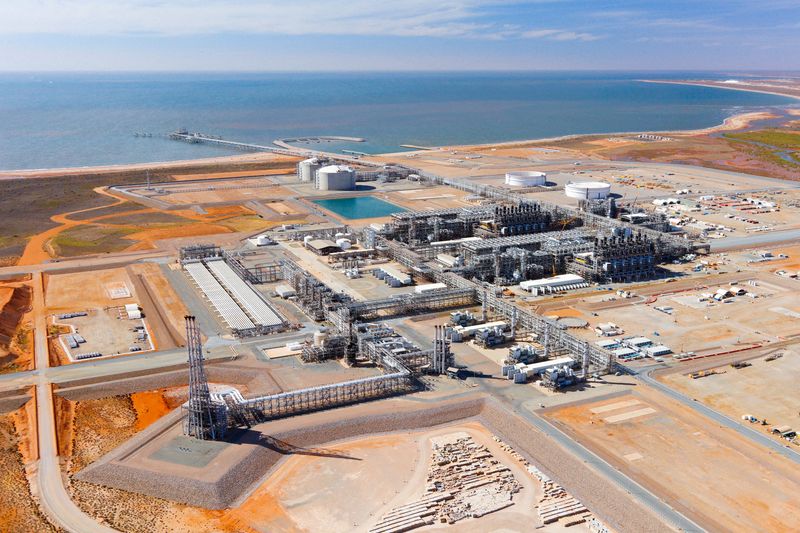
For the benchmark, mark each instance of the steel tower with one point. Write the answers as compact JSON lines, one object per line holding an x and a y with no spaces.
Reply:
{"x":205,"y":419}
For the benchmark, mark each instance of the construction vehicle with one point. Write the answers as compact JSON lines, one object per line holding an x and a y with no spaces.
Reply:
{"x":741,"y":364}
{"x":703,"y":373}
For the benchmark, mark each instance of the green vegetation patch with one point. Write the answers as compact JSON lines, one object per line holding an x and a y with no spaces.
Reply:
{"x":147,"y":219}
{"x":85,"y":240}
{"x":788,"y":140}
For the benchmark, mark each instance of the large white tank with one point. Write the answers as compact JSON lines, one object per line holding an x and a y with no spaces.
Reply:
{"x":526,"y":178}
{"x":588,"y":190}
{"x":344,"y":244}
{"x":319,"y":338}
{"x":307,"y":169}
{"x":335,"y":178}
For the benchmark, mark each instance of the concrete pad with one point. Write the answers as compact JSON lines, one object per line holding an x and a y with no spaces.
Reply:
{"x":613,"y":406}
{"x":627,"y":416}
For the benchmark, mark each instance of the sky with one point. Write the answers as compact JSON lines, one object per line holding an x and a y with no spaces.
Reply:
{"x":303,"y":35}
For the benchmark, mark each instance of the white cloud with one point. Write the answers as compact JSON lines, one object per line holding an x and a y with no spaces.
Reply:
{"x":559,"y":35}
{"x":405,"y":18}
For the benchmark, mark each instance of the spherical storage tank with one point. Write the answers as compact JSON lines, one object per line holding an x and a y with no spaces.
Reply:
{"x":307,"y":169}
{"x":588,"y":190}
{"x":336,"y":178}
{"x":526,"y":178}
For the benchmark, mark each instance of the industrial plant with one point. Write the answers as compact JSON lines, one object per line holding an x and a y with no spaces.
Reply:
{"x":428,"y":336}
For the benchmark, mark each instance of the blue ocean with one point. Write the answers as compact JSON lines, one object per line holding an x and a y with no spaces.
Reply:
{"x":73,"y":120}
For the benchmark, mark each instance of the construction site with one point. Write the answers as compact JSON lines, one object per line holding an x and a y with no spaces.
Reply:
{"x":470,"y":345}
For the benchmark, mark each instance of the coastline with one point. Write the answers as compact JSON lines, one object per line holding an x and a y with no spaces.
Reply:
{"x":733,"y":122}
{"x":731,"y":86}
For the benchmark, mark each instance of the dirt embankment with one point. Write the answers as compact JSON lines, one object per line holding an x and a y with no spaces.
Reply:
{"x":18,"y":509}
{"x":94,"y":427}
{"x":16,"y":332}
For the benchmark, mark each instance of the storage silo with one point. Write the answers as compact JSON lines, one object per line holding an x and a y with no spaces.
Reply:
{"x":335,"y":178}
{"x":307,"y":169}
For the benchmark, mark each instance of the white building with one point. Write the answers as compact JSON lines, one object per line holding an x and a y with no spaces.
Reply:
{"x":428,"y":287}
{"x":562,"y":282}
{"x":133,"y":311}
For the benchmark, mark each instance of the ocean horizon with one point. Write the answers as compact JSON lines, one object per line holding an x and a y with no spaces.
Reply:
{"x":53,"y":120}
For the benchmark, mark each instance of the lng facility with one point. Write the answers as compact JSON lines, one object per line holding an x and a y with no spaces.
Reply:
{"x":484,"y":338}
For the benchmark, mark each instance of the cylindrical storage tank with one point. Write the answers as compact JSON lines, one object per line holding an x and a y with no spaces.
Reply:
{"x":261,"y":240}
{"x":588,"y":190}
{"x":319,"y":338}
{"x":307,"y":239}
{"x":336,"y":178}
{"x":344,"y":244}
{"x":307,"y":169}
{"x":526,"y":178}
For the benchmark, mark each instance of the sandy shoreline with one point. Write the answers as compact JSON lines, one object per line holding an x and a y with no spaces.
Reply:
{"x":734,"y":122}
{"x":731,"y":86}
{"x":255,"y":157}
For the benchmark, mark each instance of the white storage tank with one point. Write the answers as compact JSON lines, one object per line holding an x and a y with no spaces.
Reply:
{"x":319,"y":338}
{"x":307,"y":169}
{"x":588,"y":190}
{"x":526,"y":178}
{"x":344,"y":244}
{"x":335,"y":178}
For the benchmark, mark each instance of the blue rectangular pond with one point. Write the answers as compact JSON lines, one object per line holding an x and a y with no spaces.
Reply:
{"x":359,"y":207}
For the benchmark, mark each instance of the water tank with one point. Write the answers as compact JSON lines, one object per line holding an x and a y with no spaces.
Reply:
{"x":307,"y":169}
{"x":335,"y":178}
{"x":526,"y":178}
{"x":588,"y":190}
{"x":344,"y":244}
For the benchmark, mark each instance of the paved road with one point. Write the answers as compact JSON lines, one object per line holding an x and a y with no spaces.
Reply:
{"x":647,"y":498}
{"x":522,"y":404}
{"x":83,"y":263}
{"x":215,"y":349}
{"x":747,"y":432}
{"x":55,"y":500}
{"x":757,"y":239}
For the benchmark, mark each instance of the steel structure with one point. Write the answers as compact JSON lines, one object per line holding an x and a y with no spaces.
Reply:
{"x":668,"y":246}
{"x":261,"y":312}
{"x":205,"y":419}
{"x":552,"y":335}
{"x":329,"y":396}
{"x":219,"y":298}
